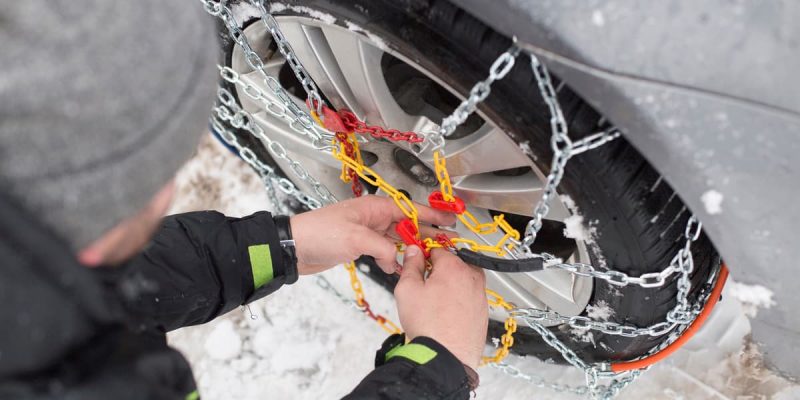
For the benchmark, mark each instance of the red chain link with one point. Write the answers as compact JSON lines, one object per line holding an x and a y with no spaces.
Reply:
{"x":352,"y":123}
{"x":358,"y":189}
{"x":443,"y":240}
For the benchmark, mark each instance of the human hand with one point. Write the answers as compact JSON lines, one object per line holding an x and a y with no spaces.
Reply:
{"x":363,"y":226}
{"x":449,"y":307}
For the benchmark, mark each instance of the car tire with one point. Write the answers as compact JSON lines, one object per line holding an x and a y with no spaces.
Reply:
{"x":637,"y":218}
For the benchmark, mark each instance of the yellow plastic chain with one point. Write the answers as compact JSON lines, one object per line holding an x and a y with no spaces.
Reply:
{"x":469,"y":220}
{"x":410,"y":211}
{"x":507,"y":340}
{"x":361,"y":301}
{"x":351,"y":138}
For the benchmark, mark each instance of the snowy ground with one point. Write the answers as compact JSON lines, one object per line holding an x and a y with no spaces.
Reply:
{"x":305,"y":344}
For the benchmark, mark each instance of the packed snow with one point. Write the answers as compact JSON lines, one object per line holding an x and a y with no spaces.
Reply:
{"x":306,"y":344}
{"x":575,"y":229}
{"x":600,"y":311}
{"x":752,"y":297}
{"x":324,"y":17}
{"x":598,"y":18}
{"x":712,"y":201}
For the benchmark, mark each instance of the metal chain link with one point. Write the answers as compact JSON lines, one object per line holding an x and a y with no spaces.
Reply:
{"x":228,"y":110}
{"x":561,"y":145}
{"x":594,"y":141}
{"x":352,"y":123}
{"x":593,"y":373}
{"x":499,"y":69}
{"x":300,"y":120}
{"x":681,"y":314}
{"x":288,"y":53}
{"x":326,"y":285}
{"x":266,"y":172}
{"x":319,"y":140}
{"x":538,"y":381}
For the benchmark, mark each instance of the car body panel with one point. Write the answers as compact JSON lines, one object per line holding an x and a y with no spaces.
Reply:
{"x":709,"y":94}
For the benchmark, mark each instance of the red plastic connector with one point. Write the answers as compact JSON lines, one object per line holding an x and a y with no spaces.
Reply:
{"x":437,"y":201}
{"x":332,"y":120}
{"x":408,"y":232}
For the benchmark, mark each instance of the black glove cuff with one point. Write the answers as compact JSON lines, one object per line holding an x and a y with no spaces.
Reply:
{"x":284,"y":229}
{"x":397,"y":339}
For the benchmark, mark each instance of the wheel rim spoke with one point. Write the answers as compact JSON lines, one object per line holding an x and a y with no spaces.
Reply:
{"x":488,"y":149}
{"x":507,"y":194}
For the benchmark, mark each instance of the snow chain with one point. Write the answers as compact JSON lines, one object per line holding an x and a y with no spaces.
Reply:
{"x":343,"y":145}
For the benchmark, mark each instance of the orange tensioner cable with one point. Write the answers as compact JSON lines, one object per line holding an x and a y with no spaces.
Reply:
{"x":690,"y":331}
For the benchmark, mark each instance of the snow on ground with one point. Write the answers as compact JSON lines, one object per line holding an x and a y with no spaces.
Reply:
{"x":306,"y":344}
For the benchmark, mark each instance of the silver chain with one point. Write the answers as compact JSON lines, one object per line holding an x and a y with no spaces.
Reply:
{"x":682,"y":312}
{"x":561,"y":145}
{"x":319,"y":140}
{"x":266,"y":172}
{"x":563,"y":149}
{"x":499,"y":69}
{"x":325,"y":284}
{"x":230,"y":112}
{"x":300,"y":120}
{"x":593,"y":373}
{"x":288,"y":53}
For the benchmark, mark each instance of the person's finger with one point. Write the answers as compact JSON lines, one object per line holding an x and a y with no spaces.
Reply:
{"x":449,"y":264}
{"x":434,"y":217}
{"x":431,"y":232}
{"x":378,"y":211}
{"x":382,"y":249}
{"x":443,"y":257}
{"x":392,"y":233}
{"x":413,"y":266}
{"x":424,"y":232}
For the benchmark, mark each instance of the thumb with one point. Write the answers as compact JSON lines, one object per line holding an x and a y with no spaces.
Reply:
{"x":413,"y":265}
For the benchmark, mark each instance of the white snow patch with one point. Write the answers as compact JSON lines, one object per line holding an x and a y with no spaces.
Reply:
{"x":584,"y":335}
{"x":526,"y":148}
{"x":324,"y":17}
{"x":598,"y":18}
{"x":223,"y":343}
{"x":575,"y":229}
{"x":293,"y":354}
{"x":752,"y":297}
{"x":376,"y":40}
{"x":569,"y":203}
{"x":600,"y":311}
{"x":712,"y":201}
{"x":243,"y":12}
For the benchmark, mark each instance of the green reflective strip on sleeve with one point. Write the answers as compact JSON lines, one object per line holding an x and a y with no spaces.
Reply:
{"x":193,"y":396}
{"x":418,"y":353}
{"x":261,"y":264}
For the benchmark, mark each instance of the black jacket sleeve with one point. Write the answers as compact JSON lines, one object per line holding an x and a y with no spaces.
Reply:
{"x":200,"y":265}
{"x":420,"y":369}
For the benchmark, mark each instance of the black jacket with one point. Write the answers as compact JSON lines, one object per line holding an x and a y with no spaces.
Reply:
{"x":68,"y":332}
